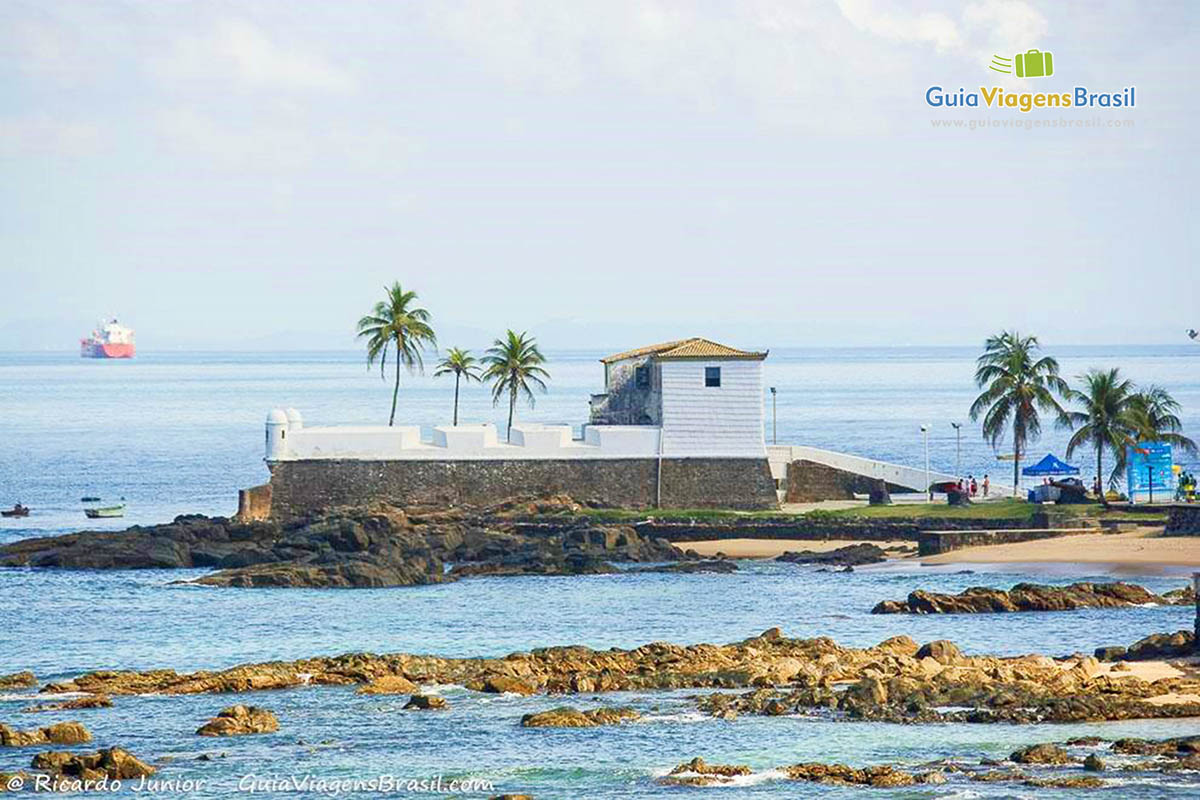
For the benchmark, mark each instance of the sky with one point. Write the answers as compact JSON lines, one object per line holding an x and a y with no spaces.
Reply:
{"x":251,"y":174}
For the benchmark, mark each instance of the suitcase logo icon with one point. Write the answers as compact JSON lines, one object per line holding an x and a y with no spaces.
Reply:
{"x":1034,"y":64}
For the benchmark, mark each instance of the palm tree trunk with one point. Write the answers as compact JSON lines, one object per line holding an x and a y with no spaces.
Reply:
{"x":1016,"y":466}
{"x":395,"y":392}
{"x":1100,"y":474}
{"x":512,"y":407}
{"x":457,"y":378}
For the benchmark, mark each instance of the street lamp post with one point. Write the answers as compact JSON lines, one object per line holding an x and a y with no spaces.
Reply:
{"x":774,"y":420}
{"x":928,"y":484}
{"x":957,"y":448}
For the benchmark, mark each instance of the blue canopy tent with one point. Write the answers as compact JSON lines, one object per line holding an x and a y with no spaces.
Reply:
{"x":1050,"y":465}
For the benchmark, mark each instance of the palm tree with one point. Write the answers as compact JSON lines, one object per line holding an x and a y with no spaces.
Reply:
{"x":462,"y":365}
{"x":1016,"y":384}
{"x":395,"y":323}
{"x":1154,"y":417}
{"x":1105,"y":422}
{"x":514,"y":367}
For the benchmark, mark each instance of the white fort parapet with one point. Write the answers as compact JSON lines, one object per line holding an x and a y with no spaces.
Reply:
{"x":288,"y":440}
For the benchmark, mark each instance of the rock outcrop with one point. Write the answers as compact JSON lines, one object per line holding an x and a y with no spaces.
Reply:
{"x":112,"y":763}
{"x":18,"y":680}
{"x":350,"y":548}
{"x":855,"y":555}
{"x":897,"y":680}
{"x":73,"y":704}
{"x":389,"y":684}
{"x":240,"y":720}
{"x":1032,"y":597}
{"x":425,"y":702}
{"x":58,"y":733}
{"x":567,"y":717}
{"x":699,"y":773}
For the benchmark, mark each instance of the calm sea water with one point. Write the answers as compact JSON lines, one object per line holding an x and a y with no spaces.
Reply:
{"x":179,"y":433}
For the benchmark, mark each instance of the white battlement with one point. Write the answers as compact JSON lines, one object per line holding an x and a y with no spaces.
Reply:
{"x":289,"y":440}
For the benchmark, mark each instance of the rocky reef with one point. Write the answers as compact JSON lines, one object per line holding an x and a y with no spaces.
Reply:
{"x":349,"y":548}
{"x":1033,"y":597}
{"x":897,"y":680}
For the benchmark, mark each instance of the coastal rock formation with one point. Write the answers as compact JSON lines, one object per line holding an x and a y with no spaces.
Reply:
{"x":112,"y":763}
{"x":349,"y":548}
{"x":698,"y":773}
{"x":1032,"y":597}
{"x":240,"y":720}
{"x":719,"y":565}
{"x":895,"y":681}
{"x":389,"y":684}
{"x":425,"y":702}
{"x":854,"y":555}
{"x":18,"y":680}
{"x":840,"y":775}
{"x":1041,"y":754}
{"x":58,"y":733}
{"x":567,"y":717}
{"x":73,"y":704}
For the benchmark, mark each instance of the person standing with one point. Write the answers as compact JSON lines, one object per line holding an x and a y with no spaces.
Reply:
{"x":986,"y":484}
{"x":974,"y":486}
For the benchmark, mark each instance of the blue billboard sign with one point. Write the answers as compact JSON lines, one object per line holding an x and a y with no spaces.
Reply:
{"x":1148,"y":471}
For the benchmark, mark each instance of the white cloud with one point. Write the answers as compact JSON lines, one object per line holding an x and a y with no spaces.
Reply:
{"x":239,"y":52}
{"x":41,"y":134}
{"x":283,"y":143}
{"x":924,"y":28}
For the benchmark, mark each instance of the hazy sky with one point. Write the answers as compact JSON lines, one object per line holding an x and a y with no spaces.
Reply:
{"x":606,"y":174}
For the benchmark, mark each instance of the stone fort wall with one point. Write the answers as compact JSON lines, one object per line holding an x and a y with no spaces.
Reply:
{"x":299,"y":487}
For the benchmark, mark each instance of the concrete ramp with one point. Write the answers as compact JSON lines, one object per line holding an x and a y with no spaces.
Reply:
{"x":898,"y":477}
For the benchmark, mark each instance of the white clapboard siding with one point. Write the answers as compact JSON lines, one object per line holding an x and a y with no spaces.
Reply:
{"x":725,"y":420}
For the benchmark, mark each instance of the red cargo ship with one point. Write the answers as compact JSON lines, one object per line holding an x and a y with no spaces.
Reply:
{"x":110,"y":340}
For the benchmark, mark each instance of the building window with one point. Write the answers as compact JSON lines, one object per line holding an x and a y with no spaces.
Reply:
{"x":712,"y":376}
{"x":642,"y":376}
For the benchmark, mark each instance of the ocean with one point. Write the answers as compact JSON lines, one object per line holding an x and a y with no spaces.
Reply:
{"x":175,"y":433}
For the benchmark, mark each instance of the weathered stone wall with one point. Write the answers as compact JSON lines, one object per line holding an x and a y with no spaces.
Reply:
{"x":810,"y":482}
{"x":254,"y":503}
{"x":742,"y":483}
{"x":931,"y":543}
{"x":1183,"y":520}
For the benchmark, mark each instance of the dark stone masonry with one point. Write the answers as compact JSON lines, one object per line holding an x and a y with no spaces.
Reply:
{"x":299,"y":487}
{"x":1183,"y":520}
{"x":810,"y":482}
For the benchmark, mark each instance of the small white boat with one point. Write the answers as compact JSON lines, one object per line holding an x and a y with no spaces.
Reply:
{"x":105,"y":512}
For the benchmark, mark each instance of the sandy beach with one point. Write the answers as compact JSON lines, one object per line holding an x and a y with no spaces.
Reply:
{"x":1144,"y":547}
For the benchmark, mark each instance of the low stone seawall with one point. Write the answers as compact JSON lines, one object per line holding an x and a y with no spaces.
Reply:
{"x":932,"y":543}
{"x":800,"y":528}
{"x":300,"y":487}
{"x":1183,"y":520}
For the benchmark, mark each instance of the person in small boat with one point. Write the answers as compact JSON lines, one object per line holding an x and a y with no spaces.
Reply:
{"x":19,"y":509}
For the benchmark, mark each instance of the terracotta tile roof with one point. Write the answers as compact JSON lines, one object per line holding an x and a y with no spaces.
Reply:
{"x":694,"y":347}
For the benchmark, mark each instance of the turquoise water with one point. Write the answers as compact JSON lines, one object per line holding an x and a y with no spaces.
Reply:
{"x":176,"y":433}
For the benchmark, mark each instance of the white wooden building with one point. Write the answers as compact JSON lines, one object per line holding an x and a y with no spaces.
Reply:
{"x":707,"y":398}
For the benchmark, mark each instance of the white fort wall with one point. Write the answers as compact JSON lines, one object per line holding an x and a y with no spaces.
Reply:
{"x":289,"y":440}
